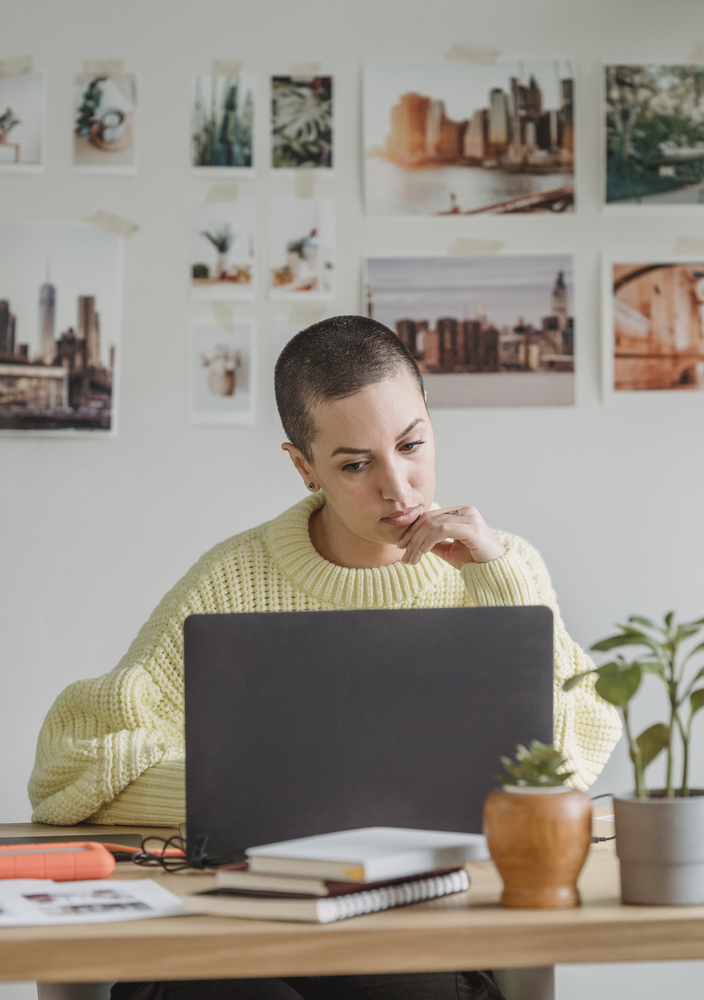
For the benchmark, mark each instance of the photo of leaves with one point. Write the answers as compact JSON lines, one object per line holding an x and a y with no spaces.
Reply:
{"x":21,"y":122}
{"x":301,"y":122}
{"x":222,"y":123}
{"x":223,"y":250}
{"x":104,"y":123}
{"x":655,"y":134}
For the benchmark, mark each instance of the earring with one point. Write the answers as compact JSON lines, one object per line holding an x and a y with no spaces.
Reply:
{"x":311,"y":486}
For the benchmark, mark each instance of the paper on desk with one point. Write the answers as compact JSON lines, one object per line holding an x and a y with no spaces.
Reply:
{"x":39,"y":902}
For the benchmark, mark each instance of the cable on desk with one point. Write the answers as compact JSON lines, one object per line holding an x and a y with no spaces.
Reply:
{"x":173,"y":856}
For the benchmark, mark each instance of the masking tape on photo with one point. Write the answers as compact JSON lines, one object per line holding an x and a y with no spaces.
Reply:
{"x":304,"y":71}
{"x":109,"y":66}
{"x":305,"y":183}
{"x":305,"y":315}
{"x":226,"y":67}
{"x":464,"y":247}
{"x":223,"y":192}
{"x":688,"y":246}
{"x":697,"y":54}
{"x":112,"y":223}
{"x":222,"y":314}
{"x":473,"y":54}
{"x":16,"y":66}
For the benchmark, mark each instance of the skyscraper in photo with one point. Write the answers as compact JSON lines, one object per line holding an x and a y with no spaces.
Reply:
{"x":88,"y":329}
{"x":47,"y":318}
{"x":7,"y":328}
{"x":559,"y":301}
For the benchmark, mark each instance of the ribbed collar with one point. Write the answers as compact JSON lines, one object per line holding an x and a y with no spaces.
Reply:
{"x":288,"y":541}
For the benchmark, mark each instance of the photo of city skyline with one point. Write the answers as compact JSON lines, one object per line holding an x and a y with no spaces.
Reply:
{"x":485,"y":331}
{"x":60,"y":290}
{"x":446,"y":138}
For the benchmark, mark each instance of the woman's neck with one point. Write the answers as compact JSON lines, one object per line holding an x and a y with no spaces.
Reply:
{"x":337,"y":544}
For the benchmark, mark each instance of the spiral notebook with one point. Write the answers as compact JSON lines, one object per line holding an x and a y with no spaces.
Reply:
{"x":230,"y":903}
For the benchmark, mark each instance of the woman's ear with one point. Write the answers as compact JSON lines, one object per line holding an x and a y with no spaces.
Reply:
{"x":305,"y":469}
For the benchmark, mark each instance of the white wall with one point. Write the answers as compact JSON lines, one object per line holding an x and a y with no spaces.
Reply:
{"x":92,"y":533}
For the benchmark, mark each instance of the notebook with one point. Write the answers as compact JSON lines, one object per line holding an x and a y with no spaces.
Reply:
{"x":372,"y":854}
{"x":229,"y":903}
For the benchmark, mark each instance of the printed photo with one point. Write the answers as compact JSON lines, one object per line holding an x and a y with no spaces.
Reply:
{"x":221,"y":375}
{"x":60,"y":291}
{"x":485,"y":331}
{"x":450,"y":138}
{"x":78,"y":904}
{"x":302,"y":249}
{"x":654,"y":325}
{"x":301,"y":122}
{"x":655,"y":135}
{"x":223,"y":257}
{"x":105,"y":123}
{"x":222,"y":124}
{"x":21,"y":123}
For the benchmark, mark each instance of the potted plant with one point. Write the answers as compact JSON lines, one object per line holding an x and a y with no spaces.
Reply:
{"x":659,"y":833}
{"x":538,"y":830}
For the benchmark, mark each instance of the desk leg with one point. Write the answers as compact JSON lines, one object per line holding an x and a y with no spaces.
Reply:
{"x":515,"y":984}
{"x":73,"y":991}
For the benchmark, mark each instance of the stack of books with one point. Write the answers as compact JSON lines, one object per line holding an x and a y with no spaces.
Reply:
{"x":338,"y":875}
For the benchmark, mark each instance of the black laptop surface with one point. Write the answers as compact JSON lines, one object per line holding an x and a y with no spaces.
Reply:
{"x":300,"y":723}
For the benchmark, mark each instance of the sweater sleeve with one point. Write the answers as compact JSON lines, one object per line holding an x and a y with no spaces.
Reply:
{"x":111,"y":749}
{"x":586,"y":728}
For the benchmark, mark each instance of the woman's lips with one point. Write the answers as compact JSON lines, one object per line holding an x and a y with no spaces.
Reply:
{"x":403,"y":517}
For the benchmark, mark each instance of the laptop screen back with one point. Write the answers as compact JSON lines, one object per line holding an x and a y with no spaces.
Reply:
{"x":300,"y":723}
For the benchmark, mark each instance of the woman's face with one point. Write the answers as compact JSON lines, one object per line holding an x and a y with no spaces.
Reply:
{"x":374,"y":457}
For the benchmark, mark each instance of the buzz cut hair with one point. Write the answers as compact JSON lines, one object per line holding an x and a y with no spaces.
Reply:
{"x":331,"y":360}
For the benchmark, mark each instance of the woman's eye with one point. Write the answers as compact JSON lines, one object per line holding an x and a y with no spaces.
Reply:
{"x":411,"y":445}
{"x":353,"y":466}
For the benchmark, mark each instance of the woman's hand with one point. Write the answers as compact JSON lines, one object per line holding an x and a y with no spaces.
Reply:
{"x":458,"y":534}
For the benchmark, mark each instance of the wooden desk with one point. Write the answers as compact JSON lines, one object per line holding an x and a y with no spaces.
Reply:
{"x":466,"y":931}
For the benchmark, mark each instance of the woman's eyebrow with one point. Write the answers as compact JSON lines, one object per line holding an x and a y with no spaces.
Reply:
{"x":413,"y":423}
{"x":364,"y":451}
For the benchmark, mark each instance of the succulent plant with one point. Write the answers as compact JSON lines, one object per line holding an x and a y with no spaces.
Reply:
{"x":535,"y":766}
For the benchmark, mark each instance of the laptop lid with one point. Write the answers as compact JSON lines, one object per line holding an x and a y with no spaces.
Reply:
{"x":300,"y":723}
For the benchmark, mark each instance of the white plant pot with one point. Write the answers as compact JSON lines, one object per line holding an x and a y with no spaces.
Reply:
{"x":660,"y":847}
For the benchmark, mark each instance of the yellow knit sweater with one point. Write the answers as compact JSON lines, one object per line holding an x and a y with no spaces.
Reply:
{"x":111,"y":749}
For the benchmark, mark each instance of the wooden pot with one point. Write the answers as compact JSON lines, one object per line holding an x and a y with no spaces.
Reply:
{"x":539,"y":840}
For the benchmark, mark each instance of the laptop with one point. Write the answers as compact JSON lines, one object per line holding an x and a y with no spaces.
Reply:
{"x":301,"y":723}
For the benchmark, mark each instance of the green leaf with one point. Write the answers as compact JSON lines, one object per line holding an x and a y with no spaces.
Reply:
{"x":629,"y":639}
{"x":669,"y":618}
{"x":618,"y":685}
{"x":696,"y":700}
{"x":572,"y":682}
{"x":648,"y":622}
{"x":652,"y":741}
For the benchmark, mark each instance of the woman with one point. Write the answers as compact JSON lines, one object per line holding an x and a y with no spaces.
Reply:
{"x":352,"y":403}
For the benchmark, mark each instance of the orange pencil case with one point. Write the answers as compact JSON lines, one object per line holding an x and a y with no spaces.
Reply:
{"x":60,"y":862}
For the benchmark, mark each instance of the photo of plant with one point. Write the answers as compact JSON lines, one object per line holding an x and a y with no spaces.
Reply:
{"x":60,"y":295}
{"x":302,"y":249}
{"x":222,"y":124}
{"x":221,"y":376}
{"x":451,"y":138}
{"x":655,"y":134}
{"x":654,"y":324}
{"x":104,"y":123}
{"x":485,"y":331}
{"x":301,"y":122}
{"x":222,"y":257}
{"x":21,"y":122}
